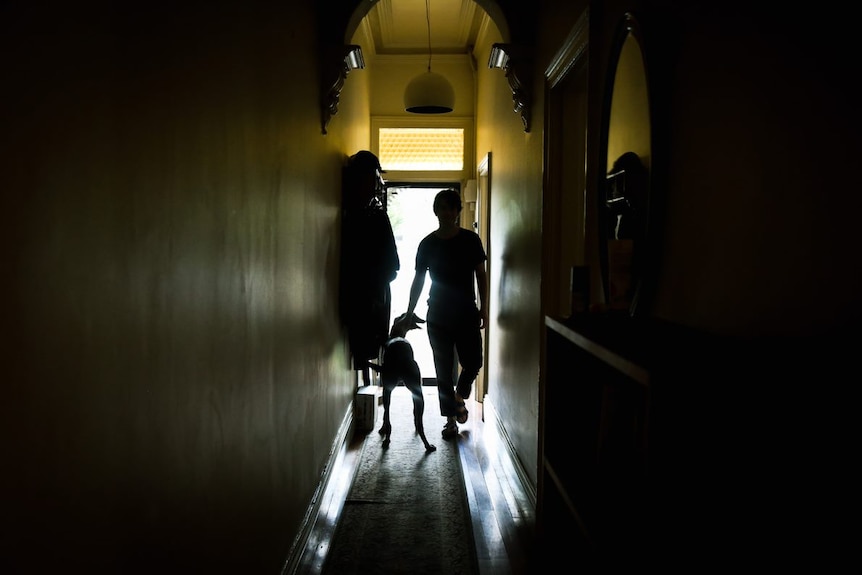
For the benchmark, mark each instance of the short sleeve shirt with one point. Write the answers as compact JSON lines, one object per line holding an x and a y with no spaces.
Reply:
{"x":451,"y":262}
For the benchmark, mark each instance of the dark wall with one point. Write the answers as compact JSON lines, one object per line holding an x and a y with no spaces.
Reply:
{"x":173,"y":371}
{"x":754,"y":128}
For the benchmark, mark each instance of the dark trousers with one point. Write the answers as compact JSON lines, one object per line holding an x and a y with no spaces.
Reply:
{"x":454,"y":345}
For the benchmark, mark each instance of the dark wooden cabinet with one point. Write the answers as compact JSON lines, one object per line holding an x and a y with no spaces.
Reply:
{"x":666,"y":447}
{"x":624,"y":431}
{"x":595,"y":452}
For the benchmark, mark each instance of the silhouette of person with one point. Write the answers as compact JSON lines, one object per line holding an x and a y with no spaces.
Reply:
{"x":455,"y":259}
{"x":626,"y":204}
{"x":369,"y":260}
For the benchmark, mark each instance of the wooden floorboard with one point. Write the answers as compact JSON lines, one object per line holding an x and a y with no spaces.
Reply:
{"x":502,"y":510}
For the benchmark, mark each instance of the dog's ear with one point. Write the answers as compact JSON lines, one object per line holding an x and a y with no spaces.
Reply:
{"x":407,"y":322}
{"x":414,"y":321}
{"x":399,"y":321}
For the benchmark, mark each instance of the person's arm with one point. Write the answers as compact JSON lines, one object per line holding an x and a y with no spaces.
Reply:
{"x":482,"y":286}
{"x":416,"y":290}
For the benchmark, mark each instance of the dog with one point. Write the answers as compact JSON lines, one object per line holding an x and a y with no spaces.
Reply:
{"x":398,"y":365}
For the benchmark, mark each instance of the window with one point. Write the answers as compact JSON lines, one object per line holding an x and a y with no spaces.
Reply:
{"x":421,"y":149}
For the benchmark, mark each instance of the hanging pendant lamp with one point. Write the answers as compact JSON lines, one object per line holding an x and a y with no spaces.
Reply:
{"x":429,"y":92}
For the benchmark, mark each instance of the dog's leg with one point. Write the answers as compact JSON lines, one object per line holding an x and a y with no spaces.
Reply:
{"x":386,"y":428}
{"x":413,"y":382}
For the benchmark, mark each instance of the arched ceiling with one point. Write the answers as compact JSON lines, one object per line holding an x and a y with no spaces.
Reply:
{"x":401,"y":26}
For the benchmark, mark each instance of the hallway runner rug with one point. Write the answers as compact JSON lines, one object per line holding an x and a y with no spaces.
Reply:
{"x":407,"y":510}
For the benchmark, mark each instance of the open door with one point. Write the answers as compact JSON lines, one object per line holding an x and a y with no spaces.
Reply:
{"x":482,"y":223}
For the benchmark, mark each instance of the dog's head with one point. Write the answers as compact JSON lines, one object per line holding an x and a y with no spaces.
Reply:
{"x":404,"y":323}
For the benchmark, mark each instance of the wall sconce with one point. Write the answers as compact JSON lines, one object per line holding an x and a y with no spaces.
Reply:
{"x":346,"y":58}
{"x":503,"y":57}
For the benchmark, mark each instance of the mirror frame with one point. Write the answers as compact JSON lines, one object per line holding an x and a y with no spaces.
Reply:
{"x":641,"y":274}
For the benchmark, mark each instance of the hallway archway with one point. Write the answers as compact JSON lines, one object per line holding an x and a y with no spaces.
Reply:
{"x":491,"y":7}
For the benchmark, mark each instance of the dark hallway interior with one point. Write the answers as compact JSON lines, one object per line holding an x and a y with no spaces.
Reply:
{"x":501,"y":503}
{"x":176,"y":380}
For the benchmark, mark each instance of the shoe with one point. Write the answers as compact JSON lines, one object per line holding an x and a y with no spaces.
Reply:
{"x":461,"y":412}
{"x":450,"y":430}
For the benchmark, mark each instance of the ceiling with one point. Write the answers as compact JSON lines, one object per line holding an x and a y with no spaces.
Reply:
{"x":401,"y":26}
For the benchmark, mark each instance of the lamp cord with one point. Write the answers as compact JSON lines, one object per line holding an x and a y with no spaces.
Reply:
{"x":428,"y":20}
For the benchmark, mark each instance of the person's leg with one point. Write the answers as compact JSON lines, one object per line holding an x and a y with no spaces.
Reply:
{"x":443,"y":348}
{"x":469,"y":345}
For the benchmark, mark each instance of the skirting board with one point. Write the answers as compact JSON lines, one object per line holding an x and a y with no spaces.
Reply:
{"x":523,"y":477}
{"x":324,"y":492}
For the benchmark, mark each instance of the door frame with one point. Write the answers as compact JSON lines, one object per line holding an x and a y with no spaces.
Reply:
{"x":483,"y":219}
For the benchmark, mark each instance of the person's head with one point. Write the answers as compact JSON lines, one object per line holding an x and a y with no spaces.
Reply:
{"x":447,"y":203}
{"x":363,"y":178}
